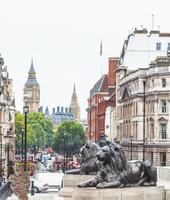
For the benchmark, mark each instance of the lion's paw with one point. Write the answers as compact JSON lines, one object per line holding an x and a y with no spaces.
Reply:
{"x":80,"y":185}
{"x":100,"y":185}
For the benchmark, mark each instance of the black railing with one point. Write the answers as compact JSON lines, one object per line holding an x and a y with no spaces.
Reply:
{"x":5,"y":191}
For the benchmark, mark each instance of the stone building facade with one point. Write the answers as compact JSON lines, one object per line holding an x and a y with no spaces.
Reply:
{"x":7,"y":121}
{"x":32,"y":91}
{"x":60,"y":114}
{"x":143,"y":46}
{"x":143,"y":105}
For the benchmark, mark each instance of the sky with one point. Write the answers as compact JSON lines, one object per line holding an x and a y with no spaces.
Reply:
{"x":64,"y":36}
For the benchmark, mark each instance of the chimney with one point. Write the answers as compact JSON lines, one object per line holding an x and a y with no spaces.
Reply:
{"x":58,"y":109}
{"x":62,"y":109}
{"x":53,"y":111}
{"x":46,"y":111}
{"x":41,"y":109}
{"x":113,"y":63}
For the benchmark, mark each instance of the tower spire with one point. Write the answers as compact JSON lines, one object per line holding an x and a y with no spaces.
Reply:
{"x":74,"y":89}
{"x":32,"y":90}
{"x":32,"y":70}
{"x":74,"y":104}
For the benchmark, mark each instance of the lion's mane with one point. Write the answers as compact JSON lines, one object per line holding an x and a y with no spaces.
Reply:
{"x":90,"y":162}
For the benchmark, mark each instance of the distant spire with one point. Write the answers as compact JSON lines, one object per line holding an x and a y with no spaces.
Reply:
{"x":31,"y":75}
{"x":74,"y":89}
{"x":32,"y":70}
{"x":75,"y":109}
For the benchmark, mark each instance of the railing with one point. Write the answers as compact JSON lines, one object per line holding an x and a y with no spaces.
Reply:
{"x":5,"y":191}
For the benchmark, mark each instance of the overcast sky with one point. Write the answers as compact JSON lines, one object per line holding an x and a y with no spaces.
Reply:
{"x":63,"y":37}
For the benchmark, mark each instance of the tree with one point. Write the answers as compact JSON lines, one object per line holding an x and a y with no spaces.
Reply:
{"x":39,"y":130}
{"x":72,"y":134}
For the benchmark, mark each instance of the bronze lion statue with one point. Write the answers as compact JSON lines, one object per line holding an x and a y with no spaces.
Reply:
{"x":89,"y":164}
{"x":116,"y":171}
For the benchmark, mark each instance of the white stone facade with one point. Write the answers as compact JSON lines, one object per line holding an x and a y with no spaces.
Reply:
{"x":142,"y":46}
{"x":110,"y":123}
{"x":131,"y":114}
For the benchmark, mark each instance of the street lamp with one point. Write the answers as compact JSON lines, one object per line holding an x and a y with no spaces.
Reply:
{"x":144,"y":99}
{"x":26,"y":111}
{"x":22,"y":145}
{"x":131,"y":138}
{"x":8,"y":146}
{"x":64,"y":151}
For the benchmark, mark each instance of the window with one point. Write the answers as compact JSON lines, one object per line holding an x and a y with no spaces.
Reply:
{"x":152,"y":82}
{"x":163,"y":131}
{"x":163,"y":159}
{"x":152,"y":131}
{"x":163,"y":106}
{"x":163,"y":82}
{"x":151,"y":157}
{"x":158,"y":46}
{"x":168,"y":47}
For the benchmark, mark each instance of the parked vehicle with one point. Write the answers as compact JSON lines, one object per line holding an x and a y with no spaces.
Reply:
{"x":39,"y":186}
{"x":45,"y":158}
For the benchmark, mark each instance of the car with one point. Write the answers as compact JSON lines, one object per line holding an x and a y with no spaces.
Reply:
{"x":39,"y":186}
{"x":44,"y":158}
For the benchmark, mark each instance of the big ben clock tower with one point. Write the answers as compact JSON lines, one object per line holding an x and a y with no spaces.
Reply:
{"x":32,"y":91}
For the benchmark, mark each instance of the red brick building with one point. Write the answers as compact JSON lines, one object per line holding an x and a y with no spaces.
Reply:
{"x":102,"y":95}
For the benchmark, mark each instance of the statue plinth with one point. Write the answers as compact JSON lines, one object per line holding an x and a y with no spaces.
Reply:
{"x":127,"y":193}
{"x":70,"y":182}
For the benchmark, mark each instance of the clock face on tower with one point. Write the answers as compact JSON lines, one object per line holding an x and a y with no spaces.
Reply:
{"x":28,"y":94}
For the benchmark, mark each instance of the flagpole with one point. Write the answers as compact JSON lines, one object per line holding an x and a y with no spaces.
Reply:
{"x":101,"y":58}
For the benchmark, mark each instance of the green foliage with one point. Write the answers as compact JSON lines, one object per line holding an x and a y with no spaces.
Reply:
{"x":72,"y":134}
{"x":39,"y":130}
{"x":19,"y":124}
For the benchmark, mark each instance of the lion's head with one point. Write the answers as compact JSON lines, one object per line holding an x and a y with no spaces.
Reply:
{"x":89,"y":160}
{"x":113,"y":154}
{"x":89,"y":151}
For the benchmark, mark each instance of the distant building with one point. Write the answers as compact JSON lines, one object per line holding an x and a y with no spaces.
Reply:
{"x":102,"y":95}
{"x":60,"y":115}
{"x":32,"y":91}
{"x":75,"y":108}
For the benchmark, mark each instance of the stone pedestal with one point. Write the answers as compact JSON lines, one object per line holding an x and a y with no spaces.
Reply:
{"x":71,"y":192}
{"x":131,"y":193}
{"x":70,"y":181}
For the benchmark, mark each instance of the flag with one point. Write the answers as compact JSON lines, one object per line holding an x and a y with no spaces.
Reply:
{"x":101,"y":49}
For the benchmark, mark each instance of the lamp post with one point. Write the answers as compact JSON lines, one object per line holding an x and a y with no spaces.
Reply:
{"x":7,"y":147}
{"x":26,"y":110}
{"x":8,"y":172}
{"x":1,"y":177}
{"x":144,"y":120}
{"x":64,"y":152}
{"x":22,"y":144}
{"x":131,"y":138}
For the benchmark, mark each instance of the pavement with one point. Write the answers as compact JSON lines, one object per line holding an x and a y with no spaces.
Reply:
{"x":40,"y":196}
